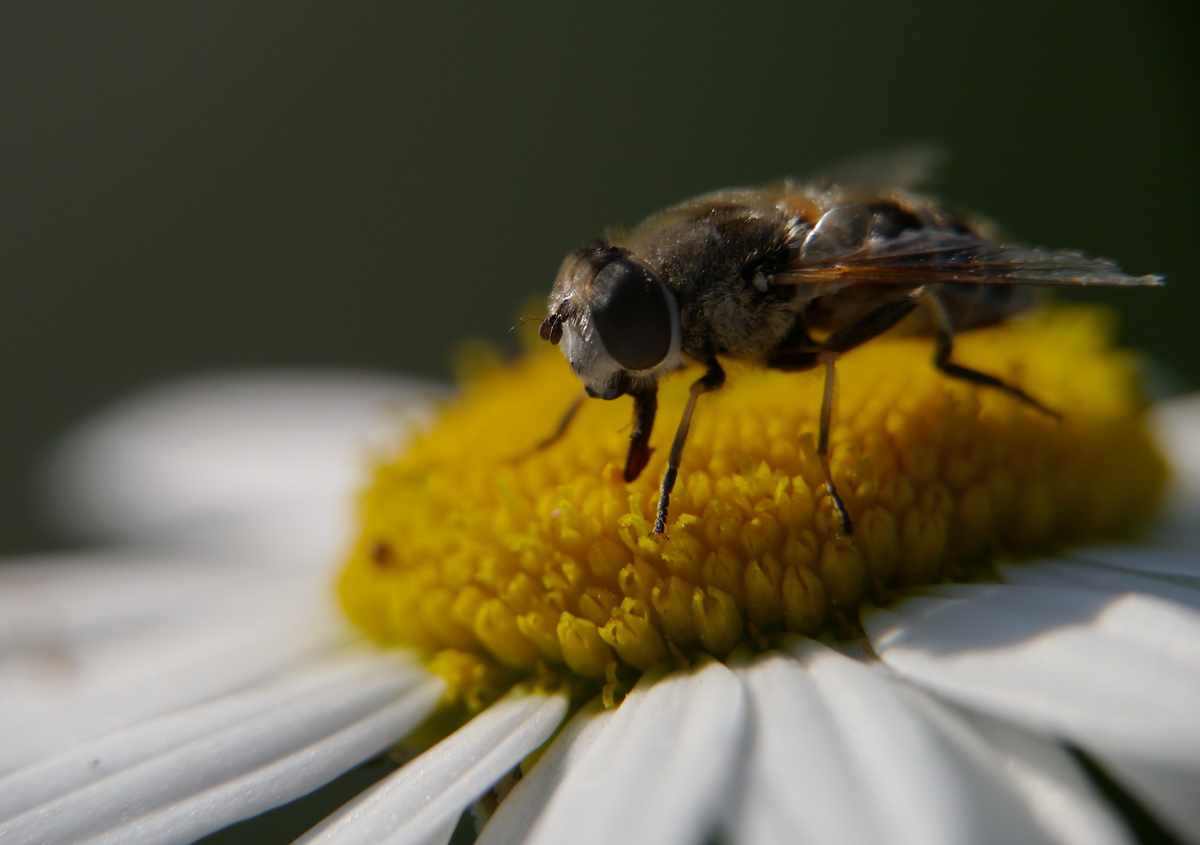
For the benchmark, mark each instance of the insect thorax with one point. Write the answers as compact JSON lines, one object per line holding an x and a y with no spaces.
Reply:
{"x":720,"y":267}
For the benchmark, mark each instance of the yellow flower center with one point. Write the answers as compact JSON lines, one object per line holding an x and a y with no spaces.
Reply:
{"x":499,"y":561}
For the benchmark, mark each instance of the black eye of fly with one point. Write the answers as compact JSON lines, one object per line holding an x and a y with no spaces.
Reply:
{"x":632,"y":314}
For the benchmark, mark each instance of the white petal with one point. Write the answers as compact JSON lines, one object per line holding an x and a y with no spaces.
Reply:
{"x":520,"y":809}
{"x":442,"y":835}
{"x":1177,"y":424}
{"x":1087,"y":570}
{"x":429,"y":793}
{"x":191,"y":454}
{"x":176,"y":778}
{"x":1169,"y":791}
{"x":1063,"y":799}
{"x":80,"y":658}
{"x":1118,"y":676}
{"x":800,"y":785}
{"x":841,"y":754}
{"x":656,"y":771}
{"x":1113,"y":673}
{"x":87,"y":597}
{"x":1175,"y":565}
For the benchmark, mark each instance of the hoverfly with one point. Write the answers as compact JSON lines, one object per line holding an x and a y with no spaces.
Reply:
{"x":790,"y":276}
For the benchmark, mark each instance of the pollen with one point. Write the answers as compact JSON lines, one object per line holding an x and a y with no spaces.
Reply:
{"x":502,"y":561}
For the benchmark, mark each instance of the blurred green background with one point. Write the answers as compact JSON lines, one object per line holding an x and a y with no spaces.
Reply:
{"x":208,"y":185}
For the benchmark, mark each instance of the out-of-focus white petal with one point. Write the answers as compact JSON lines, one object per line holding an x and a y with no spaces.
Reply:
{"x":86,"y":598}
{"x":1177,"y":566}
{"x":1175,"y":421}
{"x":243,"y":452}
{"x":656,"y":771}
{"x":1177,"y":424}
{"x":152,"y":637}
{"x":178,"y":777}
{"x":842,"y":754}
{"x":418,"y":803}
{"x":1182,"y":588}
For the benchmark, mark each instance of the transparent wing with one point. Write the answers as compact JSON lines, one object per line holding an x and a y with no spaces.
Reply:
{"x":904,"y":168}
{"x":919,"y":257}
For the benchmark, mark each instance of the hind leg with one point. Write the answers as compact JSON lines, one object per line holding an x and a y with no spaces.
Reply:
{"x":943,"y":335}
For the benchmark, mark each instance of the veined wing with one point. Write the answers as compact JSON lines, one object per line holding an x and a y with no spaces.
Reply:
{"x":836,"y":251}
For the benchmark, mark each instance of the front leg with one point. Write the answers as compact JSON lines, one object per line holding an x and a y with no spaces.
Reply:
{"x":645,"y":404}
{"x":713,"y":379}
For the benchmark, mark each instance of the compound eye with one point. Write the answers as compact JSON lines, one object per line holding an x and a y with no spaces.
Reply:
{"x":633,"y":314}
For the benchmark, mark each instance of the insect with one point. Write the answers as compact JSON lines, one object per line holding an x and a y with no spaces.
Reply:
{"x":790,"y":276}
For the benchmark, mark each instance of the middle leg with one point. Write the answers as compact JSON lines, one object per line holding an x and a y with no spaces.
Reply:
{"x":805,"y":354}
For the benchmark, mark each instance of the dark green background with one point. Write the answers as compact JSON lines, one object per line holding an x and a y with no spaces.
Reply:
{"x":198,"y":185}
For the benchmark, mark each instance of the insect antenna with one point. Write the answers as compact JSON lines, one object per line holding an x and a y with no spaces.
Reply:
{"x":524,"y":321}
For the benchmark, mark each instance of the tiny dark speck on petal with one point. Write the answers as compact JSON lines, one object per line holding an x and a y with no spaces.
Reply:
{"x":382,"y":555}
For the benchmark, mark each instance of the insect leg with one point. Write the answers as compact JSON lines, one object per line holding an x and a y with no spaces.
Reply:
{"x":856,"y":334}
{"x":872,"y":324}
{"x":796,"y":352}
{"x":645,"y":404}
{"x":826,"y":421}
{"x":712,"y":379}
{"x":563,"y":425}
{"x":944,"y":346}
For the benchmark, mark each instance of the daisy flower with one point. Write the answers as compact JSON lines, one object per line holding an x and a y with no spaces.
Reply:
{"x":995,"y":657}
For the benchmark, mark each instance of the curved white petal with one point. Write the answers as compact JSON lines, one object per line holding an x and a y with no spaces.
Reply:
{"x":442,"y":835}
{"x":242,"y":449}
{"x":1169,"y":791}
{"x":418,"y":803}
{"x":842,"y":754}
{"x":800,"y":785}
{"x":88,"y":646}
{"x":1118,"y":673}
{"x":178,"y":777}
{"x":1094,"y":573}
{"x":657,"y":770}
{"x":520,"y":809}
{"x":1062,"y":798}
{"x":1178,"y":566}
